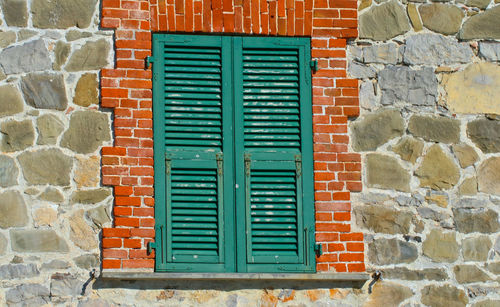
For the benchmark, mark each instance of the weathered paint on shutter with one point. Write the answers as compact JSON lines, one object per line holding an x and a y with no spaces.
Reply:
{"x":273,"y":104}
{"x":191,"y":75}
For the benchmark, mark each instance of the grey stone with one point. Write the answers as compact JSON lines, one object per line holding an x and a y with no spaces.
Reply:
{"x":435,"y":129}
{"x":11,"y":101}
{"x":90,"y":196}
{"x":61,"y":54}
{"x":13,"y":211}
{"x":3,"y":244}
{"x":485,"y":25}
{"x":37,"y":241}
{"x":383,"y":53}
{"x":390,"y":251}
{"x":441,"y":246}
{"x":385,"y":172}
{"x":476,"y":249}
{"x":497,"y":246}
{"x":382,"y":219}
{"x":92,"y":56}
{"x":468,"y":186}
{"x":441,"y":18}
{"x":87,"y":130}
{"x":86,"y":91}
{"x":476,"y":220}
{"x":63,"y":14}
{"x":16,"y":260}
{"x":27,"y":295}
{"x":65,"y":285}
{"x":15,"y":12}
{"x":443,"y":296}
{"x":471,"y":203}
{"x":409,"y":149}
{"x":487,"y":303}
{"x":431,"y":214}
{"x":383,"y":22}
{"x":87,"y":261}
{"x":99,"y":216}
{"x":46,"y":166}
{"x":93,"y":303}
{"x":375,"y":129}
{"x":81,"y":233}
{"x":490,"y":51}
{"x":400,"y":83}
{"x":17,"y":135}
{"x":49,"y":128}
{"x":12,"y":271}
{"x":7,"y":38}
{"x":469,"y":273}
{"x":437,"y":170}
{"x":73,"y":35}
{"x":31,"y":56}
{"x":55,"y":265}
{"x":465,"y":154}
{"x":485,"y":134}
{"x":360,"y":71}
{"x":8,"y":171}
{"x":367,"y":98}
{"x":435,"y":49}
{"x":45,"y":91}
{"x":406,"y":274}
{"x":386,"y":293}
{"x":52,"y":195}
{"x":413,"y":201}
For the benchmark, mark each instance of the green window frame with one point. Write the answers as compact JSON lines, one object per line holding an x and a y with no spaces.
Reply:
{"x":233,"y":154}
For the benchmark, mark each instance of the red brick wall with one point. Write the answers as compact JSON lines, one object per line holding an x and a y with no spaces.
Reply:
{"x":128,"y":166}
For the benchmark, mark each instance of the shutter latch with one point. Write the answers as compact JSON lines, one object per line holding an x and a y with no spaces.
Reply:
{"x":151,"y":246}
{"x":298,"y":165}
{"x":314,"y":65}
{"x":149,"y":61}
{"x":318,"y":248}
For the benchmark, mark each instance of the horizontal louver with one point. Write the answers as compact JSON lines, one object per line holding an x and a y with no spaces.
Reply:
{"x":194,"y":203}
{"x":273,"y":213}
{"x":271,"y":100}
{"x":193,"y":98}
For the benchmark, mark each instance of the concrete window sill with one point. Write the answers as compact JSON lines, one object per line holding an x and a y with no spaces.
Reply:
{"x":317,"y":277}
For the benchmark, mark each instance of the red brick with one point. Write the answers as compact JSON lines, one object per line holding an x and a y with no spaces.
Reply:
{"x":351,"y":237}
{"x":111,"y":242}
{"x":127,"y":221}
{"x":355,"y":247}
{"x":356,"y":267}
{"x":144,"y":233}
{"x":111,"y":264}
{"x":351,"y":257}
{"x":138,"y":263}
{"x":114,"y":253}
{"x":116,"y":232}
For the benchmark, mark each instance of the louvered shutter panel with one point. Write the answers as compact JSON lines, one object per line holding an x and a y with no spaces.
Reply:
{"x":189,"y":130}
{"x":275,"y":107}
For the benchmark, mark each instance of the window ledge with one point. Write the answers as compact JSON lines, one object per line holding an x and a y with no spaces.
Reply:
{"x":316,"y":277}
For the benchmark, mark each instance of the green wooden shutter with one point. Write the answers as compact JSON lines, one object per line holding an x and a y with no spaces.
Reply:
{"x":190,"y":80}
{"x":273,"y":103}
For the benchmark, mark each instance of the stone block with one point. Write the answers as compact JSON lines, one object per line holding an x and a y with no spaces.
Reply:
{"x":437,"y":170}
{"x":409,"y":149}
{"x":8,"y":171}
{"x":385,"y":172}
{"x":86,"y":91}
{"x":17,"y":135}
{"x":485,"y":134}
{"x":375,"y":129}
{"x":444,"y":296}
{"x":382,"y":219}
{"x":435,"y":129}
{"x":465,"y":154}
{"x":11,"y":101}
{"x":383,"y":22}
{"x":63,"y":14}
{"x":45,"y":91}
{"x":49,"y":128}
{"x":29,"y":57}
{"x":13,"y":212}
{"x":476,"y":248}
{"x":391,"y":251}
{"x":37,"y":241}
{"x":27,"y":295}
{"x":87,"y":131}
{"x":91,"y":56}
{"x":46,"y":166}
{"x":476,"y":220}
{"x":485,"y":25}
{"x":441,"y":246}
{"x":441,"y":18}
{"x":15,"y":12}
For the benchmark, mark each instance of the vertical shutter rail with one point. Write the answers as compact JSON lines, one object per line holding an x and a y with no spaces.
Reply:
{"x":220,"y":194}
{"x":248,"y":164}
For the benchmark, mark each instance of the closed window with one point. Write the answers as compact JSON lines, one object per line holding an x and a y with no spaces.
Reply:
{"x":233,"y":154}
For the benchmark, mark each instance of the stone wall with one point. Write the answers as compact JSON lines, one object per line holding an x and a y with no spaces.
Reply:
{"x":429,"y":134}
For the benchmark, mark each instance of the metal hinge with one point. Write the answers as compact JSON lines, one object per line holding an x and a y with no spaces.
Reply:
{"x":220,"y":159}
{"x":151,"y":245}
{"x":168,"y":164}
{"x":248,"y":161}
{"x":318,"y":248}
{"x":298,"y":165}
{"x":149,"y":61}
{"x":314,"y":65}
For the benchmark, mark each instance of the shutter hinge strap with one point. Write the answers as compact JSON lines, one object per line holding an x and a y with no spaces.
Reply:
{"x":318,"y":248}
{"x":149,"y":61}
{"x":314,"y":65}
{"x":298,"y":165}
{"x":151,"y":246}
{"x":220,"y":159}
{"x":248,"y":161}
